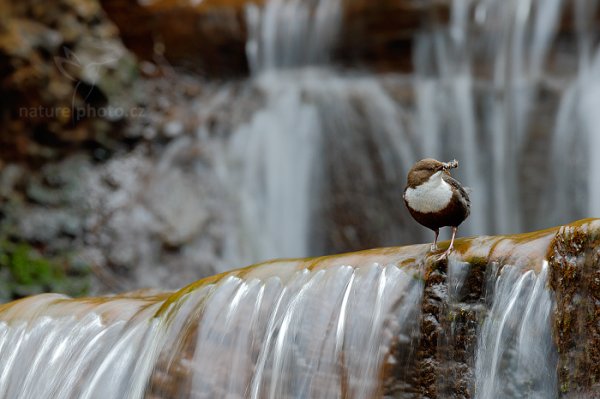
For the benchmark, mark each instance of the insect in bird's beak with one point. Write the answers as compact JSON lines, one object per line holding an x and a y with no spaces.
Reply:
{"x":450,"y":165}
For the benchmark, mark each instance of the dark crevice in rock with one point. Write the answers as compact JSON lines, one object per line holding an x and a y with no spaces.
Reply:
{"x":439,"y":361}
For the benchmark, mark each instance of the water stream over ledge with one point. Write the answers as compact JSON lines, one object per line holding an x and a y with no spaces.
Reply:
{"x":379,"y":323}
{"x":516,"y":354}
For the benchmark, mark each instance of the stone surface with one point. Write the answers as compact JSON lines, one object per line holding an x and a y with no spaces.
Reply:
{"x":81,"y":127}
{"x":575,"y":260}
{"x":64,"y":76}
{"x":210,"y":36}
{"x":441,"y":363}
{"x":207,"y":36}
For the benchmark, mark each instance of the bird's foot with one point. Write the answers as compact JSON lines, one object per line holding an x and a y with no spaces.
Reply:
{"x":445,"y":254}
{"x":433,"y":248}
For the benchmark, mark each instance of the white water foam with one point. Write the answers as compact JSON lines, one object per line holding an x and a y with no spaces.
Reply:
{"x":516,"y":356}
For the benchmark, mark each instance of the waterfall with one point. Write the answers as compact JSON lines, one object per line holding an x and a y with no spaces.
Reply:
{"x":279,"y":330}
{"x":317,"y":136}
{"x":310,"y":159}
{"x":576,"y":189}
{"x":291,"y":33}
{"x":272,"y":162}
{"x":484,"y":93}
{"x":486,"y":77}
{"x":54,"y":347}
{"x":269,"y":165}
{"x":322,"y":147}
{"x":390,"y":322}
{"x":516,"y":356}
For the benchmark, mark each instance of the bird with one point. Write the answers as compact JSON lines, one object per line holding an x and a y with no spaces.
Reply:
{"x":435,"y":199}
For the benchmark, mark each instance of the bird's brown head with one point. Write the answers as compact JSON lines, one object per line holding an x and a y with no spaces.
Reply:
{"x":423,"y":169}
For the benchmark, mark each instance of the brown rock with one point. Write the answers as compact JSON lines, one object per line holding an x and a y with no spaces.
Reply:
{"x":575,"y":259}
{"x":211,"y":36}
{"x":55,"y":76}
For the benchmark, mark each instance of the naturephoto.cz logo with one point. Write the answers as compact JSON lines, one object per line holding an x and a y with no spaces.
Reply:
{"x":85,"y":76}
{"x":80,"y":112}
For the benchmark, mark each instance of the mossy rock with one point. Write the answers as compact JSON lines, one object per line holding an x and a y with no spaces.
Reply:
{"x":25,"y":271}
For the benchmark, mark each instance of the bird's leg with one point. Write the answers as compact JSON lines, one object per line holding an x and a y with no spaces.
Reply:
{"x":451,"y":246}
{"x":434,"y":246}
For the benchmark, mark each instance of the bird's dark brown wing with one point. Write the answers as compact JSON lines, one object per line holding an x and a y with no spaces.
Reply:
{"x":463,"y":196}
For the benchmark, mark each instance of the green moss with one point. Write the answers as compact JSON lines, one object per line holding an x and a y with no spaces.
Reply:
{"x":24,"y":271}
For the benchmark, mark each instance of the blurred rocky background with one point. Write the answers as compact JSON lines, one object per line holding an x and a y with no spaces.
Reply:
{"x":91,"y":198}
{"x":70,"y":90}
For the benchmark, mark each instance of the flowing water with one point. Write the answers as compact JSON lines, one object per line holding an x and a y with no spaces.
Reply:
{"x":494,"y":86}
{"x":350,"y":326}
{"x":516,"y":356}
{"x":285,"y":165}
{"x":54,"y":347}
{"x":291,"y":33}
{"x":280,"y":330}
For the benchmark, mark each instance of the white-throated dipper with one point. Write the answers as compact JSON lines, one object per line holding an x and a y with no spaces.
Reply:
{"x":435,"y":199}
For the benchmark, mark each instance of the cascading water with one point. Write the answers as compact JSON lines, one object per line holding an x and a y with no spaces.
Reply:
{"x":316,"y":129}
{"x":393,"y":322}
{"x":486,"y":68}
{"x":269,"y":165}
{"x":291,"y":33}
{"x":516,"y":356}
{"x":576,"y":124}
{"x":270,"y":161}
{"x":481,"y":92}
{"x":281,"y":330}
{"x":54,"y":347}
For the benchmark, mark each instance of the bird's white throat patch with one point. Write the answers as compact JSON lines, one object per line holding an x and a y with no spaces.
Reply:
{"x":432,"y":196}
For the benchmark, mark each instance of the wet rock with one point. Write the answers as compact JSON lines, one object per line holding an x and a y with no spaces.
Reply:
{"x":173,"y":128}
{"x":210,"y":36}
{"x":443,"y":359}
{"x":9,"y":178}
{"x":40,"y":225}
{"x":575,"y":260}
{"x":207,"y":36}
{"x":173,"y":198}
